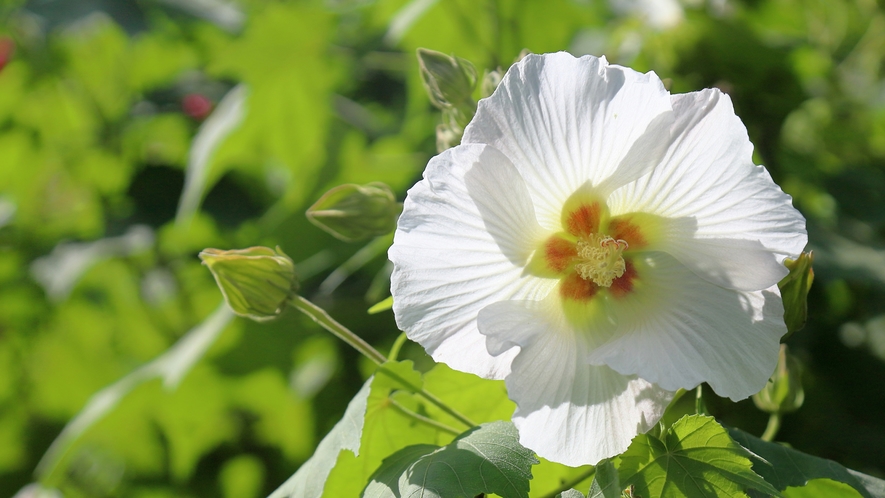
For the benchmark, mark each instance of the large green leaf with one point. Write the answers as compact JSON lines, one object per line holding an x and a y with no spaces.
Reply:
{"x":485,"y":459}
{"x":783,"y":466}
{"x":310,"y":479}
{"x":605,"y":482}
{"x":386,"y":428}
{"x":695,"y":458}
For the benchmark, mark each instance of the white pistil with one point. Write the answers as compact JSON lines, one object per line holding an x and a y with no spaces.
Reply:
{"x":601,"y":259}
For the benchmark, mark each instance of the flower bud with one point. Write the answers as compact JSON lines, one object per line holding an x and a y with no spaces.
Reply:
{"x":355,"y":212}
{"x":794,"y":291}
{"x":490,"y":82}
{"x":449,"y":80}
{"x":256,"y":282}
{"x":783,"y":393}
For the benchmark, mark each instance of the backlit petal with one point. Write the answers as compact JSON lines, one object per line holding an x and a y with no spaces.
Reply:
{"x":455,"y":253}
{"x":569,"y":411}
{"x":564,"y":121}
{"x":725,"y":218}
{"x":678,"y":330}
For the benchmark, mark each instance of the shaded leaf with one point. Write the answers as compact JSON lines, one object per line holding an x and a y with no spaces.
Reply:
{"x":485,"y":459}
{"x":605,"y":481}
{"x":783,"y":466}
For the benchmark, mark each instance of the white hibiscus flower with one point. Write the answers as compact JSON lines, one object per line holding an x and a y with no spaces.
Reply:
{"x":598,"y":243}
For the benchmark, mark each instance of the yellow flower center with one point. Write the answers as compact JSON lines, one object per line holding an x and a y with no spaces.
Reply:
{"x":600,"y":259}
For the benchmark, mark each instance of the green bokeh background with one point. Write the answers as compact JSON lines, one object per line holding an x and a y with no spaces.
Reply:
{"x":98,"y":266}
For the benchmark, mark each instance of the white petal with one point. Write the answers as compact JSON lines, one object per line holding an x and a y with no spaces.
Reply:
{"x":461,"y":243}
{"x":725,"y":218}
{"x":564,"y":121}
{"x":678,"y":330}
{"x":569,"y":411}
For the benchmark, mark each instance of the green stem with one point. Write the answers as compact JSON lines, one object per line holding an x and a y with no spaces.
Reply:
{"x":442,"y":406}
{"x":699,"y":406}
{"x":571,"y":484}
{"x":774,"y":424}
{"x":421,"y":418}
{"x":397,"y":345}
{"x":320,"y":316}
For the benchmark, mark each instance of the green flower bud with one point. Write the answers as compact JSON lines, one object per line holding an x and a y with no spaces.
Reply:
{"x":783,"y":393}
{"x":490,"y":82}
{"x":256,"y":282}
{"x":794,"y":292}
{"x":355,"y":212}
{"x":449,"y":80}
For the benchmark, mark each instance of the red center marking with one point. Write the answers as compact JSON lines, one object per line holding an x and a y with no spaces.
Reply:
{"x":559,"y":253}
{"x":575,"y":288}
{"x":623,"y":285}
{"x":584,"y":221}
{"x":625,"y":230}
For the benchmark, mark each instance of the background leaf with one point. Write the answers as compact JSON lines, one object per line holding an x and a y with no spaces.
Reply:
{"x":784,"y":466}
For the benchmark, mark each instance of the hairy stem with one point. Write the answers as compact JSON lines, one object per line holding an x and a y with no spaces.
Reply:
{"x":320,"y":316}
{"x":421,"y":418}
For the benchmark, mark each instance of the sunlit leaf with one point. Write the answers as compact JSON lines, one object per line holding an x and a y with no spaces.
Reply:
{"x":310,"y":479}
{"x":695,"y":458}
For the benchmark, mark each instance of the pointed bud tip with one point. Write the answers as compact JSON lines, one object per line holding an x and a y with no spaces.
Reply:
{"x":353,"y":212}
{"x":256,"y":282}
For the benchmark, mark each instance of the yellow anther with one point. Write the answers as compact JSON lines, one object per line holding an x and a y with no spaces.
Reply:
{"x":601,"y":259}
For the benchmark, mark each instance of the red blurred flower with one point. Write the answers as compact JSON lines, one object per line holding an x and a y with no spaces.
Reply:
{"x":7,"y":49}
{"x":196,"y":106}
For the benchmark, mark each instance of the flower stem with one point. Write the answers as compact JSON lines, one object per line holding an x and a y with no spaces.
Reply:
{"x":774,"y":424}
{"x":421,"y":418}
{"x":397,"y":345}
{"x":699,"y":407}
{"x":571,"y":484}
{"x":444,"y":407}
{"x":320,"y":316}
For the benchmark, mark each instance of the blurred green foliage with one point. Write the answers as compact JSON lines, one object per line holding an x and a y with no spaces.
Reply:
{"x":113,"y":178}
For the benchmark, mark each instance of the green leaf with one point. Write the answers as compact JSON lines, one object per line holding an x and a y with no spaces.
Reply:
{"x":695,"y":458}
{"x":480,"y":400}
{"x":385,"y":429}
{"x":571,"y":493}
{"x":381,"y":306}
{"x":310,"y":479}
{"x":485,"y":459}
{"x":782,"y":466}
{"x":822,"y":488}
{"x":605,"y":481}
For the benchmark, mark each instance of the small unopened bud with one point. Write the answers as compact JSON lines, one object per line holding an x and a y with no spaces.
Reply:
{"x":794,"y":291}
{"x":447,"y":137}
{"x":356,"y":212}
{"x":783,"y":393}
{"x":449,"y":80}
{"x":256,"y":282}
{"x":490,"y":82}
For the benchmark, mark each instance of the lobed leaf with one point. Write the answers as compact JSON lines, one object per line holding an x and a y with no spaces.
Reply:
{"x":695,"y":458}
